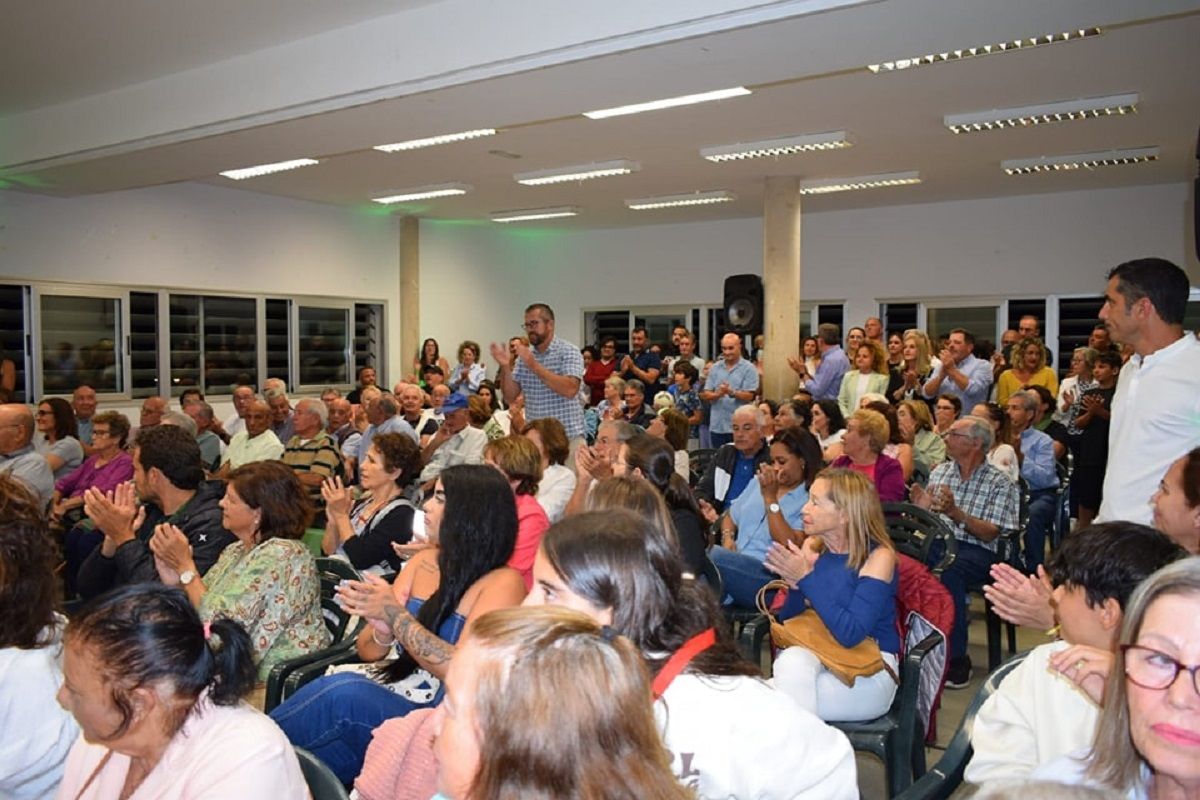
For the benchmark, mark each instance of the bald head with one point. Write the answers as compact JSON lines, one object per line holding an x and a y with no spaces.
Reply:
{"x":731,"y":348}
{"x":16,"y":427}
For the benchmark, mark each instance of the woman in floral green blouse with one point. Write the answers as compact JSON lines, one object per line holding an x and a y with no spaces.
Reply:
{"x":267,"y":580}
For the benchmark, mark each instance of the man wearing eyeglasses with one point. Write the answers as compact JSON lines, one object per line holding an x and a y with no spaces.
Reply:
{"x":548,"y":372}
{"x":635,"y":411}
{"x":17,"y":456}
{"x":979,"y":503}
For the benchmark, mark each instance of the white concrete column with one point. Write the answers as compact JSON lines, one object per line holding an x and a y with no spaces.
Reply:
{"x":781,"y":284}
{"x":410,"y":295}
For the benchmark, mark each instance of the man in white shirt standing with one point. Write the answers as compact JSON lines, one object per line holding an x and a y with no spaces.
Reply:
{"x":1156,"y":409}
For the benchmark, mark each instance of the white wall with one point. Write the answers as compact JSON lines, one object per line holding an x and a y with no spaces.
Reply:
{"x":1028,"y":245}
{"x":202,"y":237}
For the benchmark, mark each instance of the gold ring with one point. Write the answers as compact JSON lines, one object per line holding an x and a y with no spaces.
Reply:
{"x":1079,"y":664}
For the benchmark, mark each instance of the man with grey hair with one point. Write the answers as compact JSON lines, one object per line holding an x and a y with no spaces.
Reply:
{"x":282,"y":419}
{"x":827,"y":381}
{"x":17,"y":456}
{"x":383,"y":416}
{"x":979,"y":503}
{"x":211,"y":445}
{"x":734,"y":465}
{"x":594,"y":463}
{"x":1035,"y":453}
{"x":634,"y":410}
{"x":256,"y":443}
{"x":180,"y":420}
{"x":311,"y":452}
{"x":243,"y":396}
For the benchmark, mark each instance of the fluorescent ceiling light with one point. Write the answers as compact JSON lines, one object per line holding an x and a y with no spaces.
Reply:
{"x":1086,"y":108}
{"x":670,"y":102}
{"x":445,"y":138}
{"x":424,"y":193}
{"x":828,"y":185}
{"x":579,"y":172}
{"x":984,"y":50}
{"x":1106,"y":158}
{"x":674,"y":200}
{"x":267,"y":169}
{"x":785,"y":146}
{"x":525,"y":215}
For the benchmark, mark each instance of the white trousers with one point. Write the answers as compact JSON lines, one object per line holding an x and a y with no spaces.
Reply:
{"x":800,"y":675}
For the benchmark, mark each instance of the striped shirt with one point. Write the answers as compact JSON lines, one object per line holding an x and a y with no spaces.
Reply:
{"x":319,"y":454}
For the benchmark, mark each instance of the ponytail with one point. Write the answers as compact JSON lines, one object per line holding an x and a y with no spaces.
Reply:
{"x":231,"y":657}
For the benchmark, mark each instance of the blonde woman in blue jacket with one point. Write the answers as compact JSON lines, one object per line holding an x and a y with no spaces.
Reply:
{"x":870,"y":376}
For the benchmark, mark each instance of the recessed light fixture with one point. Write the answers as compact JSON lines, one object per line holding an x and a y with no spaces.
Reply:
{"x":675,"y":200}
{"x":424,"y":193}
{"x":1105,"y":158}
{"x":984,"y":50}
{"x":785,"y":146}
{"x":579,"y":172}
{"x":828,"y":185}
{"x":670,"y":102}
{"x":445,"y":138}
{"x":267,"y":169}
{"x":1087,"y":108}
{"x":528,"y":214}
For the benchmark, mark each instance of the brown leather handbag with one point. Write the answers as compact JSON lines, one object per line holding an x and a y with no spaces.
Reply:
{"x":808,"y":630}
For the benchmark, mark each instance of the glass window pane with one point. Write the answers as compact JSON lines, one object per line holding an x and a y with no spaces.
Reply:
{"x":979,"y":320}
{"x":323,"y":336}
{"x":79,"y":343}
{"x":229,"y":343}
{"x":185,"y":342}
{"x":143,"y":344}
{"x":12,"y":340}
{"x":278,"y":344}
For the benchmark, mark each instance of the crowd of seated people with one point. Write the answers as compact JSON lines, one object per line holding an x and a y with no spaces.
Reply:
{"x":458,"y":500}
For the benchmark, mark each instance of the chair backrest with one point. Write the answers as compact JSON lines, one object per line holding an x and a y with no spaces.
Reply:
{"x":698,"y":461}
{"x":944,"y":777}
{"x":321,"y":781}
{"x":333,"y":571}
{"x":917,"y":532}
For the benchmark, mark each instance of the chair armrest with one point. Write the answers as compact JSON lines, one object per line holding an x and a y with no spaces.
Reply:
{"x":280,"y":674}
{"x":342,"y":653}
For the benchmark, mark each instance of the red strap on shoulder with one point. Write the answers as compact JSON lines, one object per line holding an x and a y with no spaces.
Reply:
{"x":679,"y":660}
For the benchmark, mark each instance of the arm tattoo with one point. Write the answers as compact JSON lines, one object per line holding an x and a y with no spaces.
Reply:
{"x":426,"y":648}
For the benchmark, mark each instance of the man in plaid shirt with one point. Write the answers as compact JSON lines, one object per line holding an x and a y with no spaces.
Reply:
{"x":548,"y":373}
{"x":979,"y":503}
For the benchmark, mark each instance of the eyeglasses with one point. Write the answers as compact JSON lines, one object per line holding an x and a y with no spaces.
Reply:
{"x":43,"y":413}
{"x":96,"y":432}
{"x":534,"y":324}
{"x":1152,"y":669}
{"x":950,"y":433}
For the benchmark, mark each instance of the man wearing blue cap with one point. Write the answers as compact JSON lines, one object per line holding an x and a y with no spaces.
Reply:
{"x":456,"y":442}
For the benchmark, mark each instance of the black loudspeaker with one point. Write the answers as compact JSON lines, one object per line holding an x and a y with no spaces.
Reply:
{"x":744,"y":304}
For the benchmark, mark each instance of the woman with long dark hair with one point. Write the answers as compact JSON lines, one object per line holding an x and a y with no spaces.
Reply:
{"x":654,"y":461}
{"x":430,"y":355}
{"x":60,"y":436}
{"x":471,"y":518}
{"x":730,"y":733}
{"x":31,"y":762}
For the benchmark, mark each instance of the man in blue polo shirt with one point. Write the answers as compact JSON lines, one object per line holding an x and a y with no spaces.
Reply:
{"x":642,"y":363}
{"x":961,"y":373}
{"x":731,"y":382}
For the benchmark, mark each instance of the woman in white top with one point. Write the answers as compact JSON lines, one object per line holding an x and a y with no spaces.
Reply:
{"x":1080,"y":379}
{"x":829,"y":426}
{"x":158,"y":697}
{"x":730,"y":733}
{"x":558,"y":483}
{"x":38,"y":732}
{"x":1001,"y":456}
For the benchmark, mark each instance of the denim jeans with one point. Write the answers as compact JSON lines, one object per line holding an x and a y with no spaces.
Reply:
{"x":1043,"y":506}
{"x":972,"y":567}
{"x":741,"y":574}
{"x":333,"y":717}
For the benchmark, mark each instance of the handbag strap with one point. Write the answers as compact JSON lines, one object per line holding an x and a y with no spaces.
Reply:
{"x":760,"y":599}
{"x":679,"y":660}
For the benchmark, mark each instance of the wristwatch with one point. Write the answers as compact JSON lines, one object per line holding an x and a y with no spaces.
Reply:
{"x":187,"y":576}
{"x":773,"y":508}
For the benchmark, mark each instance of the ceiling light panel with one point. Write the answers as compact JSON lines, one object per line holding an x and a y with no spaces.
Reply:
{"x":1106,"y":158}
{"x":1023,"y":116}
{"x":267,"y":169}
{"x":984,"y":50}
{"x":424,"y":193}
{"x":529,"y":214}
{"x":786,"y":146}
{"x":431,"y":141}
{"x":676,"y":200}
{"x":830,"y":185}
{"x":579,"y":172}
{"x":670,"y":102}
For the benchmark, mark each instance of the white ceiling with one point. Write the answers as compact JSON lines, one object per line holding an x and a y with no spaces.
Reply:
{"x":807,"y":73}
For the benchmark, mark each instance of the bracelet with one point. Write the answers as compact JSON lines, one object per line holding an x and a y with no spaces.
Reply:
{"x":375,"y":638}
